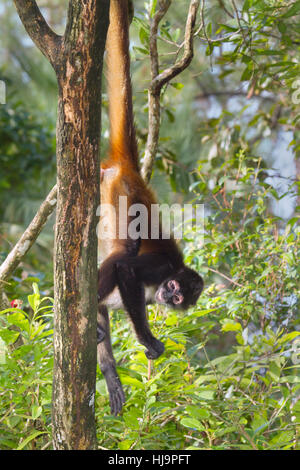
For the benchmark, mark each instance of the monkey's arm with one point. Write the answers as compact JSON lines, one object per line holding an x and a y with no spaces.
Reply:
{"x":133,"y":296}
{"x":132,"y":275}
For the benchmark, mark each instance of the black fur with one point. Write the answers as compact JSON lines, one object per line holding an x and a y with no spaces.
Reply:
{"x":131,"y":275}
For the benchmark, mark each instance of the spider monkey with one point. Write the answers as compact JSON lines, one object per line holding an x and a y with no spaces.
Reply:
{"x":134,"y":272}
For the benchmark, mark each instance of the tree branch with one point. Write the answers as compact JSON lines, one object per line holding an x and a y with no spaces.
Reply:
{"x":153,"y":97}
{"x":231,"y":94}
{"x":28,"y":238}
{"x":226,"y":277}
{"x":160,"y":79}
{"x":4,"y":302}
{"x":40,"y":32}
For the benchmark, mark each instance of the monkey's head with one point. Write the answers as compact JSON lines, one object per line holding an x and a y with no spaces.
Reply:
{"x":181,"y":290}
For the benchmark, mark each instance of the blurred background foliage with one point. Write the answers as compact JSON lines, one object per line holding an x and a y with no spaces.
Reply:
{"x":229,"y":140}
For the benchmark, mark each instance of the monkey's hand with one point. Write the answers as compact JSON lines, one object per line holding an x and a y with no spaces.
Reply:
{"x":154,"y":349}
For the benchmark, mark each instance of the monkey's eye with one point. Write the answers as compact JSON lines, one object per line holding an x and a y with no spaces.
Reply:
{"x":177,"y":299}
{"x":173,"y":285}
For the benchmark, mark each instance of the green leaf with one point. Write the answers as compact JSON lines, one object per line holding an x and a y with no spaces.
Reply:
{"x":291,"y":379}
{"x":230,"y":325}
{"x":153,"y":8}
{"x":34,"y":301}
{"x":288,"y":337}
{"x":293,"y":221}
{"x":9,"y":336}
{"x":131,"y":420}
{"x":268,"y":52}
{"x":144,"y":36}
{"x":192,"y":423}
{"x":36,"y":411}
{"x":32,"y":436}
{"x":126,"y":444}
{"x":246,"y":5}
{"x":141,"y":50}
{"x":282,"y":438}
{"x":196,"y":412}
{"x":294,"y":10}
{"x":170,"y":115}
{"x":177,"y":85}
{"x":18,"y":319}
{"x":246,"y":75}
{"x":228,"y":28}
{"x":281,"y":27}
{"x":206,"y":394}
{"x":274,"y":371}
{"x":171,"y":320}
{"x":127,"y":380}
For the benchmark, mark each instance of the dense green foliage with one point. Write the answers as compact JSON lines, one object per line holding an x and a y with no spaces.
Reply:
{"x":229,"y":378}
{"x":26,"y":373}
{"x":27,"y":153}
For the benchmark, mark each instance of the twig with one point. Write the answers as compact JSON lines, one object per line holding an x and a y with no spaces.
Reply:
{"x":230,"y":94}
{"x":246,"y":436}
{"x":4,"y":302}
{"x":153,"y":97}
{"x":160,"y":79}
{"x":226,"y":277}
{"x":25,"y":243}
{"x":222,"y":5}
{"x":29,"y":236}
{"x":238,"y":19}
{"x":204,"y":29}
{"x":218,"y":39}
{"x":149,"y":369}
{"x":42,"y":35}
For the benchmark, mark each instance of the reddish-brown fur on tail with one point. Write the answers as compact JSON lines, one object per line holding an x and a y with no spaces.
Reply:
{"x":120,"y":174}
{"x":123,"y":145}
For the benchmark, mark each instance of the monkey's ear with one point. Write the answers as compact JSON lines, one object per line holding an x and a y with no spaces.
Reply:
{"x":197,"y":288}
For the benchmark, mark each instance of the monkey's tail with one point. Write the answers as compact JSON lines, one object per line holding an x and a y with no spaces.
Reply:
{"x":123,"y":144}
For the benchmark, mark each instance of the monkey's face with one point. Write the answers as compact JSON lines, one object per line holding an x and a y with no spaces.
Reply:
{"x":181,"y":290}
{"x":169,"y":293}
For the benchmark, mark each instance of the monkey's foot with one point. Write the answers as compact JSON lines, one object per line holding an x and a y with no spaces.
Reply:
{"x":155,"y":349}
{"x":115,"y":390}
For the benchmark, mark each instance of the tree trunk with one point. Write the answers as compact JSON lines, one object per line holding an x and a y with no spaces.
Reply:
{"x":77,"y":58}
{"x":75,"y":273}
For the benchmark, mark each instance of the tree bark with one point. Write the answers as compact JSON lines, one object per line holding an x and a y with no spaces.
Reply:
{"x":75,"y":273}
{"x":77,"y":58}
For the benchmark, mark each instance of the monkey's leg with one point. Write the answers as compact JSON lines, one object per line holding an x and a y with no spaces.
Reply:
{"x":107,"y":362}
{"x":107,"y":279}
{"x":133,"y":296}
{"x":107,"y":276}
